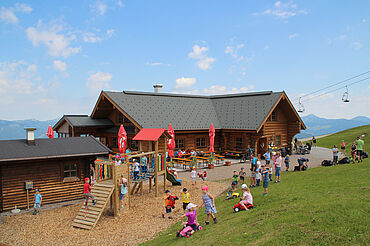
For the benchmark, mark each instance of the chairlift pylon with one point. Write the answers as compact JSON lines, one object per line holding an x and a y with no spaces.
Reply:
{"x":345,"y":96}
{"x":300,"y":107}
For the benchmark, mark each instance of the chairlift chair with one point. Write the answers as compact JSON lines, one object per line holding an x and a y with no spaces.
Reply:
{"x":345,"y":96}
{"x":300,"y":107}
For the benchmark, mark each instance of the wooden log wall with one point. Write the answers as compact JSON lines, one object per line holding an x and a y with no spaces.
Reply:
{"x":274,"y":128}
{"x":46,"y":176}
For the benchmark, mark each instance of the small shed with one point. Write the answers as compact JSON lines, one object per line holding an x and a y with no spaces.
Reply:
{"x":56,"y":166}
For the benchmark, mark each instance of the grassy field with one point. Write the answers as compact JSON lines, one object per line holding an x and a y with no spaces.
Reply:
{"x":348,"y":136}
{"x":324,"y":205}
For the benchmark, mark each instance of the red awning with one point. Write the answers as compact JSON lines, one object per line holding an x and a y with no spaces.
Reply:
{"x":150,"y":134}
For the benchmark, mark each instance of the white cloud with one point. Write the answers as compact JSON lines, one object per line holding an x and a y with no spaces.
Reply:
{"x":110,"y":33}
{"x":267,"y":47}
{"x":8,"y":14}
{"x":363,"y":20}
{"x":221,"y":89}
{"x":98,"y":81}
{"x":356,"y":45}
{"x":283,"y":10}
{"x":32,"y":68}
{"x":154,"y":63}
{"x":21,"y":7}
{"x":58,"y":44}
{"x":120,"y":3}
{"x":185,"y":82}
{"x":232,"y":50}
{"x":200,"y":53}
{"x":59,"y":65}
{"x":99,"y":8}
{"x":90,"y":37}
{"x":291,"y":36}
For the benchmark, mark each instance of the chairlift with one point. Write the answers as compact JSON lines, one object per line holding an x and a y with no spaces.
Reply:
{"x":300,"y":107}
{"x":345,"y":96}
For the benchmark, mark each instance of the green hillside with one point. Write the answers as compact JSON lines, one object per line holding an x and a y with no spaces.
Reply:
{"x":348,"y":136}
{"x":324,"y":205}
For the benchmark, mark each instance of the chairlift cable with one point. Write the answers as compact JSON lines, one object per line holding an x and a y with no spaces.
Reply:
{"x":336,"y":89}
{"x":330,"y":86}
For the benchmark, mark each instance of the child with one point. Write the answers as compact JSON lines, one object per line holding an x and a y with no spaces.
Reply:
{"x":209,"y":204}
{"x":191,"y":217}
{"x":253,"y":171}
{"x":287,"y":161}
{"x":231,"y":189}
{"x":38,"y":200}
{"x":247,"y":197}
{"x":258,"y":177}
{"x":87,"y":192}
{"x":118,"y":162}
{"x":185,"y":198}
{"x":242,"y":175}
{"x":169,"y":202}
{"x":270,"y":172}
{"x":204,"y":175}
{"x":335,"y":155}
{"x":123,"y":190}
{"x":265,"y":175}
{"x":193,"y":176}
{"x":136,"y":169}
{"x":235,"y":177}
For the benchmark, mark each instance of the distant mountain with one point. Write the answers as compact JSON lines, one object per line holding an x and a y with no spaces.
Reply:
{"x":319,"y":126}
{"x":15,"y":129}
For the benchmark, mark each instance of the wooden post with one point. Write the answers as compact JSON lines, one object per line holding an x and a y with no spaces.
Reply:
{"x":165,"y":164}
{"x":140,"y":146}
{"x":128,"y":182}
{"x":28,"y":200}
{"x":156,"y":168}
{"x":115,"y":191}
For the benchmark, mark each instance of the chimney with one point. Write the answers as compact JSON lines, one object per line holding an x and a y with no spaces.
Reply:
{"x":30,"y":135}
{"x":158,"y":88}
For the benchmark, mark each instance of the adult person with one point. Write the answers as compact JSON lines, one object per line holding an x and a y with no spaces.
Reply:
{"x":253,"y":171}
{"x":335,"y":155}
{"x":314,"y":141}
{"x":303,"y":162}
{"x":353,"y":152}
{"x":250,"y":152}
{"x":295,"y":143}
{"x":278,"y":161}
{"x":360,"y":148}
{"x":267,"y":156}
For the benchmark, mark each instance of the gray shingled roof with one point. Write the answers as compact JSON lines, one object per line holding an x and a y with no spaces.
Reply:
{"x":84,"y":120}
{"x":12,"y":150}
{"x":189,"y":112}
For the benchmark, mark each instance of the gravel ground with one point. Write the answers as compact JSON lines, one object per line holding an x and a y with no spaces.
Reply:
{"x":223,"y":172}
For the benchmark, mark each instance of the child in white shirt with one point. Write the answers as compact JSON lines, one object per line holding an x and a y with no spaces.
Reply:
{"x":193,"y":176}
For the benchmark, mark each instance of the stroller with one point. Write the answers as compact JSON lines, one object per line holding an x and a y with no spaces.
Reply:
{"x":186,"y":231}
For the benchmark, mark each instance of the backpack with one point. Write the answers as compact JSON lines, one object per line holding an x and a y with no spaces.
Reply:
{"x":344,"y":160}
{"x":297,"y":168}
{"x":326,"y":163}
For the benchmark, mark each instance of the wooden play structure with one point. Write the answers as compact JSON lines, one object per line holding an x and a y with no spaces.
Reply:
{"x":109,"y":176}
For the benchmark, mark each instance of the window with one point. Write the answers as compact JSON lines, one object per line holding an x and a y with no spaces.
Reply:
{"x":70,"y":170}
{"x":121,"y":119}
{"x":277,"y":141}
{"x":179,"y":143}
{"x":114,"y":142}
{"x":239,"y":143}
{"x":134,"y":144}
{"x":201,"y":142}
{"x":273,"y":116}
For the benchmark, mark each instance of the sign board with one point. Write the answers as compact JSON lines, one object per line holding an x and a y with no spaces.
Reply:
{"x":29,"y":185}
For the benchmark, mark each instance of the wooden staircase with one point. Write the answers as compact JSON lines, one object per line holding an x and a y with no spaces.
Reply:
{"x":87,"y":219}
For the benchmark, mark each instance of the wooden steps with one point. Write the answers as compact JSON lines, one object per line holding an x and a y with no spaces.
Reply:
{"x":87,"y":218}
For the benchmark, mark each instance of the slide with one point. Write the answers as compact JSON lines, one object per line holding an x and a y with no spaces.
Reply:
{"x":173,"y":179}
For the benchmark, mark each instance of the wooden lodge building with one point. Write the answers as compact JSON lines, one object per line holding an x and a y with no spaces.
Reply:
{"x":56,"y":166}
{"x":254,"y":119}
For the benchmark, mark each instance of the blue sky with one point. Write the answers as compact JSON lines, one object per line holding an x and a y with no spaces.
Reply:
{"x":56,"y":56}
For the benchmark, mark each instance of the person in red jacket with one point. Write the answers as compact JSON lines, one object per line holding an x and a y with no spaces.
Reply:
{"x":87,"y":192}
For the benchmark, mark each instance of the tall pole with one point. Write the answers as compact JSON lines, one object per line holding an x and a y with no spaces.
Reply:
{"x":165,"y":164}
{"x":156,"y":168}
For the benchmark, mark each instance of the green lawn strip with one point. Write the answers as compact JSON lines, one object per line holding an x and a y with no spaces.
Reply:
{"x":324,"y":205}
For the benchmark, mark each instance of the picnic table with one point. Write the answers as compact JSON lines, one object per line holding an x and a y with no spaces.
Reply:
{"x":182,"y":161}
